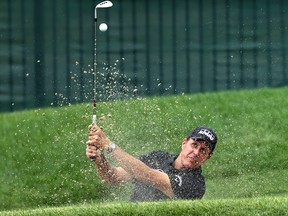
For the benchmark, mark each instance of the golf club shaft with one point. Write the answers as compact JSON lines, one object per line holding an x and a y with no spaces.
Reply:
{"x":94,"y":116}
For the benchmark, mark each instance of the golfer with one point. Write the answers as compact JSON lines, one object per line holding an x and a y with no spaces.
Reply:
{"x":158,"y":175}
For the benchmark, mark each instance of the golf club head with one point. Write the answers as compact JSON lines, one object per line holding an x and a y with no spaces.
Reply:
{"x":104,"y":4}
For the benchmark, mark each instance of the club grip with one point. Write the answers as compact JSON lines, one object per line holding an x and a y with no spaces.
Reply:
{"x":94,"y":119}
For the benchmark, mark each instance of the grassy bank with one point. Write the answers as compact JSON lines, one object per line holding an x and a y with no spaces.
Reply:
{"x":231,"y":207}
{"x":43,"y":160}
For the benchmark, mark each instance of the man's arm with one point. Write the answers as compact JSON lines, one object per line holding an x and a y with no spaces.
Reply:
{"x":109,"y":174}
{"x":134,"y":167}
{"x":141,"y":172}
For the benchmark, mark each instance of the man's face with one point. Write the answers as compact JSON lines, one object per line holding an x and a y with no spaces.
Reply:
{"x":194,"y":153}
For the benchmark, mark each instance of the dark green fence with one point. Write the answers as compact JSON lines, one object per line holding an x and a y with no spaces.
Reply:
{"x":151,"y":48}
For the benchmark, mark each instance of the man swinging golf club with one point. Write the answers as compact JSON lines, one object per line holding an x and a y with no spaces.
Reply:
{"x":158,"y":175}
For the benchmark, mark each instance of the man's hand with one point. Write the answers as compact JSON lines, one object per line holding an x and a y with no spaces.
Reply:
{"x":97,"y":138}
{"x":93,"y":152}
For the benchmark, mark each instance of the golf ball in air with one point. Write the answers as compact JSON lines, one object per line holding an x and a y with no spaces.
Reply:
{"x":103,"y":27}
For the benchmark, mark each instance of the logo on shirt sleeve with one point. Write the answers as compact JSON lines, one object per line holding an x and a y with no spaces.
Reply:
{"x":178,"y":180}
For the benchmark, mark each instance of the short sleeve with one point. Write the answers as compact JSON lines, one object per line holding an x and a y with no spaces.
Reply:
{"x":187,"y":186}
{"x":154,"y":159}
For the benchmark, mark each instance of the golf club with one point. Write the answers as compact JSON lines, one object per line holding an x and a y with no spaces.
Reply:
{"x":104,"y":4}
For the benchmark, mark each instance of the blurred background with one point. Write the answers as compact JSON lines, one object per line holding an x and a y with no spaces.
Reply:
{"x":150,"y":48}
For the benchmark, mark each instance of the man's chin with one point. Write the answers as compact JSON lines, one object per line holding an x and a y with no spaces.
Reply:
{"x":192,"y":164}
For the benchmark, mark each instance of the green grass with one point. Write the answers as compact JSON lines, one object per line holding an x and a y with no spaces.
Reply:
{"x":43,"y":160}
{"x":232,"y":207}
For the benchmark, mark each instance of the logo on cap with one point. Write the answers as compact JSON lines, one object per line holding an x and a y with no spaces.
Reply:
{"x":207,"y":133}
